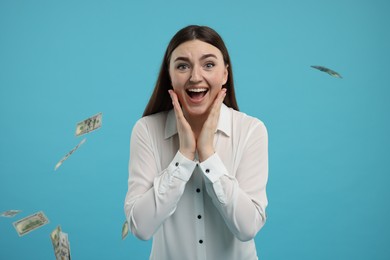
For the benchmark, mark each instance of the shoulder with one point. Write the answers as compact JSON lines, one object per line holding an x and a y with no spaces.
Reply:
{"x":154,"y":122}
{"x":246,"y":122}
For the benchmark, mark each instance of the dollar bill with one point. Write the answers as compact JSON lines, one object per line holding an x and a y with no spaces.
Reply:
{"x":125,"y":230}
{"x":30,"y":223}
{"x":89,"y":124}
{"x":10,"y":213}
{"x":64,"y":252}
{"x":55,"y":240}
{"x":69,"y":154}
{"x":61,"y":244}
{"x":329,"y":71}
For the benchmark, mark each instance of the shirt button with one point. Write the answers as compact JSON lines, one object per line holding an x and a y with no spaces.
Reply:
{"x":207,"y":170}
{"x":199,"y":216}
{"x":201,"y":241}
{"x":197,"y":190}
{"x":176,"y":164}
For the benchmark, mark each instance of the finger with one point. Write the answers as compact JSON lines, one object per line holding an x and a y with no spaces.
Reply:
{"x":222,"y":95}
{"x":175,"y":101}
{"x":218,"y":102}
{"x":176,"y":105}
{"x":173,"y":96}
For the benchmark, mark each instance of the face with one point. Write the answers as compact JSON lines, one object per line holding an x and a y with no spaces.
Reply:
{"x":197,"y":72}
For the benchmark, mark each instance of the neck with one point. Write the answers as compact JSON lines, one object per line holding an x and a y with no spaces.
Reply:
{"x":196,"y":123}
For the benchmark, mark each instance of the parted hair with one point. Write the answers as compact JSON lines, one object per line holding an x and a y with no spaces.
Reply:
{"x":160,"y":99}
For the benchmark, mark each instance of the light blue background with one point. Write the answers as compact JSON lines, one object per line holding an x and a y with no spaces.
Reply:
{"x":63,"y":61}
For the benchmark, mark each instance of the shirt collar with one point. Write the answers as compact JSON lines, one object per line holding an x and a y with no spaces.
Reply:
{"x":224,"y":122}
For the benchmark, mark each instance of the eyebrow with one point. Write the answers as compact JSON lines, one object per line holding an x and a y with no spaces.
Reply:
{"x":202,"y":58}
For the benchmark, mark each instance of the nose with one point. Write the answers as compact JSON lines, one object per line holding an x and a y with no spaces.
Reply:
{"x":196,"y":75}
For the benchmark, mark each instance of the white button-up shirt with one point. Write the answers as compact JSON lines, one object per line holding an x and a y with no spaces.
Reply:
{"x":206,"y":210}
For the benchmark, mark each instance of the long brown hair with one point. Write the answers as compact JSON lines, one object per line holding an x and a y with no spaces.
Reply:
{"x":160,"y":99}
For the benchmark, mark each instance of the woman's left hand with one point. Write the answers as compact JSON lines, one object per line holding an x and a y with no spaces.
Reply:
{"x":205,"y":141}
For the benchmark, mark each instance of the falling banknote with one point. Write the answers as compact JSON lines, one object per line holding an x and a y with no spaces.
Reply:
{"x":329,"y":71}
{"x":69,"y":154}
{"x":10,"y":213}
{"x":55,"y":239}
{"x":30,"y":223}
{"x":61,"y":244}
{"x":89,"y":124}
{"x":64,"y":247}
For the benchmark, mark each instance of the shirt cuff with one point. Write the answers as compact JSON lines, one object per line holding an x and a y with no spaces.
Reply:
{"x":181,"y":167}
{"x":213,"y":168}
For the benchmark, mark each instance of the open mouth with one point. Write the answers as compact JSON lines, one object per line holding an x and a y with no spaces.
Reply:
{"x":197,"y":93}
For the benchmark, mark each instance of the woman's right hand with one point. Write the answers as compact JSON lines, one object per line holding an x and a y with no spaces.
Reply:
{"x":186,"y":135}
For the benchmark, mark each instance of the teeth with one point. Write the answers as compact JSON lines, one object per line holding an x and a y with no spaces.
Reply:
{"x":197,"y":89}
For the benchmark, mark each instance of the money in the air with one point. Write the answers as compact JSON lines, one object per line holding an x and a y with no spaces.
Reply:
{"x":69,"y":154}
{"x":10,"y":213}
{"x":89,"y":124}
{"x":55,"y":240}
{"x":329,"y":71}
{"x":61,"y":244}
{"x":65,"y":247}
{"x":30,"y":223}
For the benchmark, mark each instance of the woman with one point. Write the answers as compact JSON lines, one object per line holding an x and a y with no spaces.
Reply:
{"x":198,"y":168}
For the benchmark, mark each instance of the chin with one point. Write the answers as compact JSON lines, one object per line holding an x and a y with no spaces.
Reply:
{"x":196,"y":111}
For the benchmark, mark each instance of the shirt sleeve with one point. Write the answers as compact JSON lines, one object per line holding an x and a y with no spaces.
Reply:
{"x":242,"y":199}
{"x":152,"y":196}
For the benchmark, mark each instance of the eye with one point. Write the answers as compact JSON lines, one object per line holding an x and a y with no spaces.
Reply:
{"x":182,"y":66}
{"x":209,"y":65}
